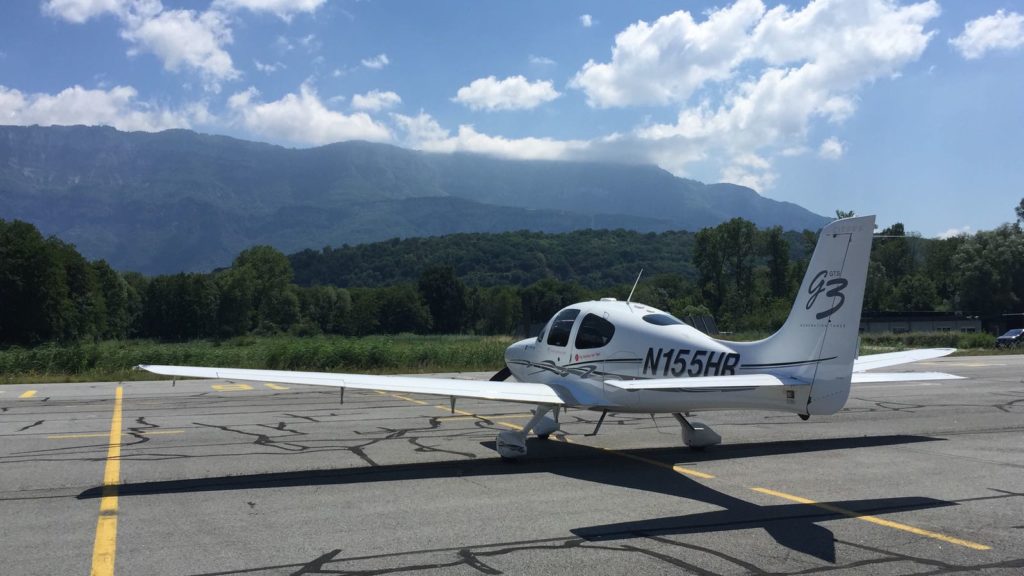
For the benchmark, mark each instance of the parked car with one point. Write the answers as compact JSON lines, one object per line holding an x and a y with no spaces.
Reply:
{"x":1011,"y":339}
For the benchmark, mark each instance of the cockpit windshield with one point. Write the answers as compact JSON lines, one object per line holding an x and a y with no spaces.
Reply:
{"x":561,"y":327}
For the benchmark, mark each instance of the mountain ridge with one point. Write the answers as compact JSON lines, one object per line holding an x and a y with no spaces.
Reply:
{"x":178,"y":200}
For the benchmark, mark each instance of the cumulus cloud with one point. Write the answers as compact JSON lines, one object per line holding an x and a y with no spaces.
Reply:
{"x":376,"y":62}
{"x":831,"y":149}
{"x":118,"y":107}
{"x":512,"y":93}
{"x":302,"y":119}
{"x":953,"y":232}
{"x":423,"y":132}
{"x":79,"y":11}
{"x":1000,"y":31}
{"x":375,"y":101}
{"x":186,"y":39}
{"x":181,"y":39}
{"x":283,"y":9}
{"x":586,"y":20}
{"x":541,"y":60}
{"x":771,"y":72}
{"x":268,"y":68}
{"x":666,"y":61}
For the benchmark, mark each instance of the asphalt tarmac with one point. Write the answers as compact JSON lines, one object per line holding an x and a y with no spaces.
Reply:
{"x":210,"y":477}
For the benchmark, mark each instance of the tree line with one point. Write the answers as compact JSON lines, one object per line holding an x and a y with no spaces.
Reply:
{"x":484,"y":283}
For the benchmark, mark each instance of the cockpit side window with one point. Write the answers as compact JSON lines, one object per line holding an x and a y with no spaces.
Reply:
{"x":594,"y":332}
{"x":561,"y":326}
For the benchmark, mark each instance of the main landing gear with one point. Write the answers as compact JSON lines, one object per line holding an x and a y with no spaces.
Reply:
{"x":511,"y":444}
{"x":697,"y":435}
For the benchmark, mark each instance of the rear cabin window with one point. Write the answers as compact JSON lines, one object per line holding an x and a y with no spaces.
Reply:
{"x":594,"y":332}
{"x":662,"y":319}
{"x":561,"y":326}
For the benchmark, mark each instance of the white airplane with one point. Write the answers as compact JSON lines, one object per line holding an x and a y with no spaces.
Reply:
{"x":614,"y":356}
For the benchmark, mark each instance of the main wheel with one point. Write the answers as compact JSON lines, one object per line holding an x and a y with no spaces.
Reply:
{"x":543,"y":436}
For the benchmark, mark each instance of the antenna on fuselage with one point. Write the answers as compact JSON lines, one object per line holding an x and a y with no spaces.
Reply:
{"x":630,"y":297}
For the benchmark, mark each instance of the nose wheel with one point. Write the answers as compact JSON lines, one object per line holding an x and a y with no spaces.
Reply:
{"x":511,"y":444}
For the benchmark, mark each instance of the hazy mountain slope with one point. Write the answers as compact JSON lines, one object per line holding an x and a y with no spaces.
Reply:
{"x":178,"y":200}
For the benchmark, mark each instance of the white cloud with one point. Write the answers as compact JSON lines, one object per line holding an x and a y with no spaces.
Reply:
{"x":666,"y":61}
{"x":953,"y":232}
{"x":764,"y":76}
{"x":757,"y":180}
{"x":424,"y":133}
{"x":1000,"y":31}
{"x":283,"y":44}
{"x":302,"y":119}
{"x":831,"y":149}
{"x":268,"y":68}
{"x":284,"y":9}
{"x":586,"y":20}
{"x":512,"y":93}
{"x":541,"y":60}
{"x":377,"y":62}
{"x":375,"y":101}
{"x":118,"y":107}
{"x":310,"y":43}
{"x":185,"y":38}
{"x":180,"y":38}
{"x":79,"y":11}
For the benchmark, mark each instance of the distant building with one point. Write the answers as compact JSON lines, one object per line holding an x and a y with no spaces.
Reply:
{"x":899,"y":322}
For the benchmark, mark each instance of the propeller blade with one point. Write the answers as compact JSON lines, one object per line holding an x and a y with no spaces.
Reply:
{"x":502,"y":375}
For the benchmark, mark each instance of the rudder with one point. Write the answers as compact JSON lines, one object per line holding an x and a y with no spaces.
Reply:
{"x":818,"y":342}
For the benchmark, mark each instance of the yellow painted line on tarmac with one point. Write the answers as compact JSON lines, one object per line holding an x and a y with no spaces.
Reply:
{"x":875,"y":520}
{"x":238,"y":387}
{"x":27,"y":394}
{"x":105,"y":546}
{"x":675,"y":468}
{"x":490,"y":418}
{"x":275,"y":386}
{"x":705,"y":476}
{"x":400,"y":397}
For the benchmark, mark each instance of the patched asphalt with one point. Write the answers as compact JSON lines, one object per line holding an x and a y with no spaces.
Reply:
{"x":226,"y":478}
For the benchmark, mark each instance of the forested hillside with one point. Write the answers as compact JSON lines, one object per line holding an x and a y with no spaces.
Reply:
{"x":743,"y":275}
{"x":595,"y":259}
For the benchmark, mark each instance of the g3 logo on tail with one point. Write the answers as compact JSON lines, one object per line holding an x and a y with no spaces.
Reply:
{"x":835,"y":290}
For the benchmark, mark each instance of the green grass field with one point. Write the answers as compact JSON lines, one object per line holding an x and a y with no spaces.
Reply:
{"x":403,"y":354}
{"x":113,"y":360}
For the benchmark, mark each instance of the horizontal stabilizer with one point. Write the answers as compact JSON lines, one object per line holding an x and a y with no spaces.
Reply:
{"x":525,"y":392}
{"x":872,"y":361}
{"x":866,"y":377}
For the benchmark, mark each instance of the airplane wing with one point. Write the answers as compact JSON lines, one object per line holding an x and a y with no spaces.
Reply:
{"x":525,"y":392}
{"x":700,"y":383}
{"x":872,"y":361}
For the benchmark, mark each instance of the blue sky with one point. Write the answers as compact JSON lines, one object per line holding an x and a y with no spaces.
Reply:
{"x":910,"y":110}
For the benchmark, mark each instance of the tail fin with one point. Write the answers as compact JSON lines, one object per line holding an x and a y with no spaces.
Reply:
{"x":818,"y":342}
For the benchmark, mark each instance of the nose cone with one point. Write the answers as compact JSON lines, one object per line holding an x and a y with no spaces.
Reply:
{"x":518,"y":353}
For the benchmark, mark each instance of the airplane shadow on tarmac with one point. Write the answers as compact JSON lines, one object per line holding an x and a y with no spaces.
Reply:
{"x":795,"y":526}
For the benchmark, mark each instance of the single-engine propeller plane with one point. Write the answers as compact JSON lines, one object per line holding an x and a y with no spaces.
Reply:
{"x":614,"y":356}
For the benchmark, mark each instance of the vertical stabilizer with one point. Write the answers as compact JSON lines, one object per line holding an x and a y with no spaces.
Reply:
{"x":818,"y":342}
